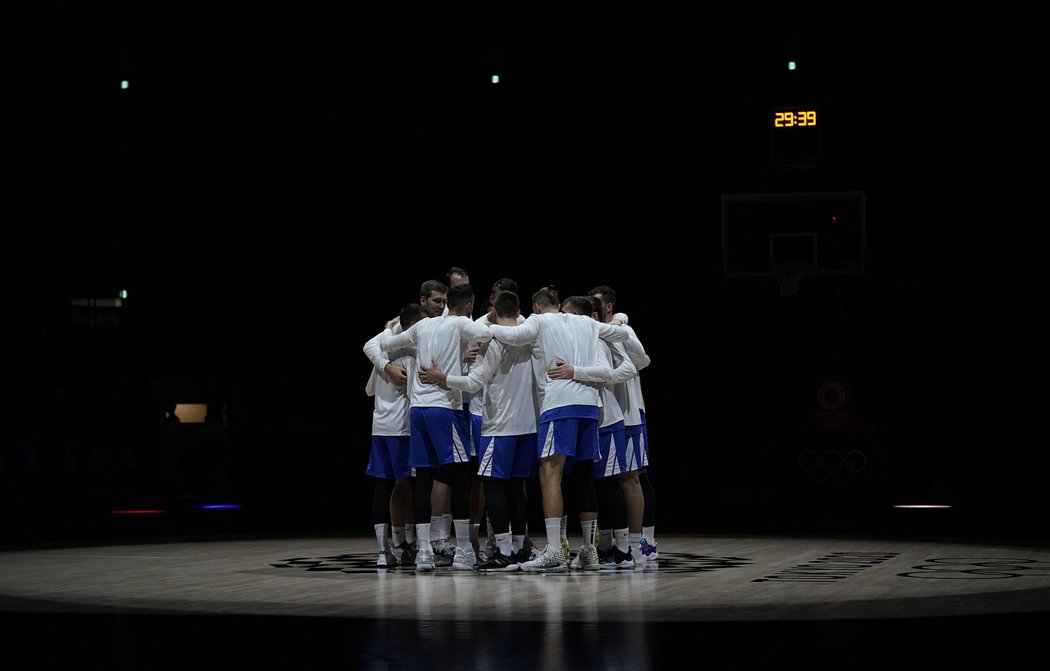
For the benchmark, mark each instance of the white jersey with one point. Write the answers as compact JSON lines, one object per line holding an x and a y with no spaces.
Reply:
{"x":378,"y":358}
{"x":565,"y":338}
{"x":390,"y":410}
{"x":506,"y":376}
{"x":629,"y":394}
{"x":440,"y":340}
{"x":477,"y":399}
{"x":622,"y":371}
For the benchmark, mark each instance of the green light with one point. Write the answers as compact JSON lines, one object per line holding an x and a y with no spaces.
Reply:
{"x":495,"y":79}
{"x":124,"y":294}
{"x":792,"y":65}
{"x":124,"y":84}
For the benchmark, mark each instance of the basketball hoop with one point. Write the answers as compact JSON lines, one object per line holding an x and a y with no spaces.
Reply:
{"x":788,"y":275}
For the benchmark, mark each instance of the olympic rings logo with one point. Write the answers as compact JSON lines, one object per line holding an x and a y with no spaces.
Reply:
{"x":832,"y":465}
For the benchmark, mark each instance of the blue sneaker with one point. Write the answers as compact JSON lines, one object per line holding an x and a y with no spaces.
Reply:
{"x":649,"y":552}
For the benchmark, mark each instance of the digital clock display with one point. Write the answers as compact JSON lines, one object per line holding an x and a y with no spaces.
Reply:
{"x":795,"y":132}
{"x":799,"y":118}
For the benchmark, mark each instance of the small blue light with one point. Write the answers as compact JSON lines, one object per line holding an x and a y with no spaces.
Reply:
{"x":495,"y":79}
{"x":124,"y":84}
{"x":792,"y":65}
{"x":218,"y":506}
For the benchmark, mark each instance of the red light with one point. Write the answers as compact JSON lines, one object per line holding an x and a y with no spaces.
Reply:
{"x":143,"y":511}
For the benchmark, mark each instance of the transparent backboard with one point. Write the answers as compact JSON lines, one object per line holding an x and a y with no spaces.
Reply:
{"x":826,"y":231}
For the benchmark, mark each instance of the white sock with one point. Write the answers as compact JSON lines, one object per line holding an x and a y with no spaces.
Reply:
{"x":553,"y":525}
{"x":620,"y":539}
{"x":504,"y":544}
{"x":438,"y":529}
{"x":462,"y":534}
{"x":590,"y":531}
{"x":423,"y":535}
{"x":649,"y":534}
{"x":381,"y":535}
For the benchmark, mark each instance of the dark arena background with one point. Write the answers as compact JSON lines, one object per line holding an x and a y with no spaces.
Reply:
{"x":215,"y":207}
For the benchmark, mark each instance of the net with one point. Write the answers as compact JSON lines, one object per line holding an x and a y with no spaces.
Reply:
{"x":788,"y":275}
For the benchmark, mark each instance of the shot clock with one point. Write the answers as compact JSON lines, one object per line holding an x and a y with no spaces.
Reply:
{"x":795,"y":133}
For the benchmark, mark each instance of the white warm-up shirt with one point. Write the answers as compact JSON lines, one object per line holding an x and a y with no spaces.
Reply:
{"x":505,"y":373}
{"x":622,"y":371}
{"x":566,"y":338}
{"x":391,"y":403}
{"x":630,"y":394}
{"x":440,"y":340}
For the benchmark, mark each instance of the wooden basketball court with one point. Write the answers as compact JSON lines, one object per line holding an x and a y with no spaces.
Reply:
{"x":320,"y":599}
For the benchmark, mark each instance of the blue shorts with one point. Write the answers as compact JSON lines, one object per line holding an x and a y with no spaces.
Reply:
{"x":569,"y":431}
{"x":475,"y":434}
{"x":506,"y":457}
{"x":612,"y":445}
{"x":389,"y":458}
{"x":638,"y":444}
{"x":438,"y":436}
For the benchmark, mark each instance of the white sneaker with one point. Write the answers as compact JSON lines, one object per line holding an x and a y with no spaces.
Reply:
{"x":465,"y":559}
{"x":386,"y":559}
{"x":425,"y":560}
{"x":550,"y":560}
{"x":587,"y":559}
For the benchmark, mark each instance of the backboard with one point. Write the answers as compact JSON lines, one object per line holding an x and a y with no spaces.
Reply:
{"x":825,"y":230}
